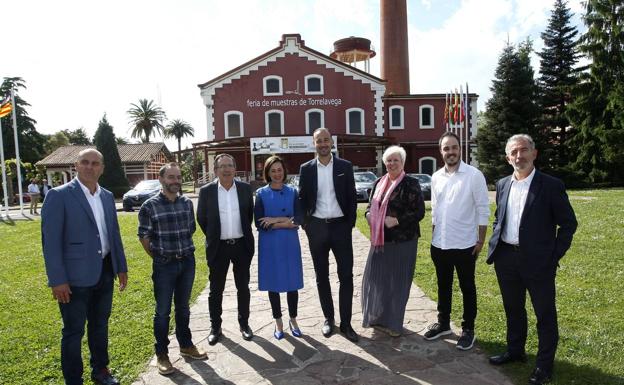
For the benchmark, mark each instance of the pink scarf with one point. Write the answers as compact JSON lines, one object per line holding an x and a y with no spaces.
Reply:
{"x":379,"y":207}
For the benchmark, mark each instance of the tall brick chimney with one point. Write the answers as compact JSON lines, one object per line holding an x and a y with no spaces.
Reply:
{"x":394,"y":50}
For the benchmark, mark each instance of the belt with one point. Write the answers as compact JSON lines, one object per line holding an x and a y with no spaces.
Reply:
{"x":330,"y":220}
{"x":170,"y":257}
{"x":231,"y":241}
{"x":515,"y":248}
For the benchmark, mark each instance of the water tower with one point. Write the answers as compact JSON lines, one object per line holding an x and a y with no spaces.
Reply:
{"x":352,"y":50}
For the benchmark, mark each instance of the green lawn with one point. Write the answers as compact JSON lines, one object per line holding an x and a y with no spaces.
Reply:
{"x":589,"y":295}
{"x":30,"y":322}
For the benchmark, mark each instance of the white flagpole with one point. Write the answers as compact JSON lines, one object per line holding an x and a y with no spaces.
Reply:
{"x":468,"y":138}
{"x":17,"y":156}
{"x":4,"y":179}
{"x":461,"y":125}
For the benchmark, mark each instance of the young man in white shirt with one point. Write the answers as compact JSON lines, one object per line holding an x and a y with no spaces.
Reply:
{"x":459,"y":212}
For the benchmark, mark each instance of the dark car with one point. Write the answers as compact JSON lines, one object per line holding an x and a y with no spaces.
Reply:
{"x":140,"y":193}
{"x":364,"y":181}
{"x":425,"y":184}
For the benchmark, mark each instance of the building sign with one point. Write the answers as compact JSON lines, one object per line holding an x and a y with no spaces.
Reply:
{"x":303,"y":101}
{"x":285,"y":144}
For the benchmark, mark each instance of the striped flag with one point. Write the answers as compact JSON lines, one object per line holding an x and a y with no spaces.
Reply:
{"x":5,"y":107}
{"x":456,"y":108}
{"x":446,"y":111}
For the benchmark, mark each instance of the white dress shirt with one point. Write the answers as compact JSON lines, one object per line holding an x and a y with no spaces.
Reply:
{"x":33,"y":188}
{"x":95,"y":201}
{"x":459,"y":204}
{"x":326,"y":203}
{"x":229,"y":212}
{"x":515,"y":207}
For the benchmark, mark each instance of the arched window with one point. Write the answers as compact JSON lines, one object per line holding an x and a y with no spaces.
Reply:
{"x":233,"y":123}
{"x":396,"y":118}
{"x":425,"y":113}
{"x":315,"y":118}
{"x":314,"y":85}
{"x":274,"y":122}
{"x":355,"y":121}
{"x":272,"y":85}
{"x":427,"y":165}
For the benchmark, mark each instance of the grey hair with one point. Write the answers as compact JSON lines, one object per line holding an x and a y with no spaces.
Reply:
{"x":394,"y":150}
{"x":517,"y":137}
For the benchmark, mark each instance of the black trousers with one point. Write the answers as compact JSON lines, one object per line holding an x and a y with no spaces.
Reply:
{"x":446,"y":262}
{"x":237,"y":254}
{"x":514,"y":282}
{"x":292,"y":298}
{"x":336,"y":236}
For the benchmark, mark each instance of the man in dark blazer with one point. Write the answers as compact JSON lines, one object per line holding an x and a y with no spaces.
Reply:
{"x":83,"y":253}
{"x":329,"y":204}
{"x":533,"y":228}
{"x":225,"y":214}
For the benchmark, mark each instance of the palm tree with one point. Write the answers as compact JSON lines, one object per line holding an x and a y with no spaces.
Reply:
{"x":178,"y":129}
{"x":146,"y":117}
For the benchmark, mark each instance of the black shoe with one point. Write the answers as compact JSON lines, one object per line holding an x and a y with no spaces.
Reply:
{"x":246,"y":332}
{"x":437,"y":330}
{"x":349,"y":333}
{"x":539,"y":377}
{"x":103,"y":377}
{"x":328,"y":328}
{"x":467,"y":339}
{"x":213,"y":338}
{"x":506,"y":358}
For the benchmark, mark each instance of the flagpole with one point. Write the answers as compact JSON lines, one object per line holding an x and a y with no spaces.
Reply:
{"x":4,"y":179}
{"x":467,"y":124}
{"x":17,"y":156}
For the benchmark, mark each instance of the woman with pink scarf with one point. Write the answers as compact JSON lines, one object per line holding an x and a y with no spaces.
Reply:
{"x":394,"y":211}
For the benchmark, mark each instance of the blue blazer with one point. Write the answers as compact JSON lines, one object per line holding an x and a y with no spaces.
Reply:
{"x":344,"y":186}
{"x":71,"y":243}
{"x":547,"y":225}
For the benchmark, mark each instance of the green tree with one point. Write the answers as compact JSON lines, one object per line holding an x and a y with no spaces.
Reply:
{"x":512,"y":109}
{"x":598,"y":108}
{"x":31,"y":142}
{"x":78,"y":137}
{"x":146,"y":119}
{"x":558,"y":77}
{"x":178,"y":129}
{"x":121,"y":140}
{"x":113,"y":177}
{"x":56,"y":140}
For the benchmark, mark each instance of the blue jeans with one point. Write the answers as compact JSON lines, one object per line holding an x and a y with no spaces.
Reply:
{"x":87,"y":304}
{"x":173,"y":279}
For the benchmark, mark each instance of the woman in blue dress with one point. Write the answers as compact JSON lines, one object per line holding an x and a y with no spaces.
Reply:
{"x":278,"y":217}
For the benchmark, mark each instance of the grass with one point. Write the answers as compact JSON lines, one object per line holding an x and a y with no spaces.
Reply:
{"x":30,"y":322}
{"x":589,"y":295}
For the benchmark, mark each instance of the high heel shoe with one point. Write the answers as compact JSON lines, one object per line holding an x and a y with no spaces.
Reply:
{"x":295,"y":331}
{"x":278,"y":334}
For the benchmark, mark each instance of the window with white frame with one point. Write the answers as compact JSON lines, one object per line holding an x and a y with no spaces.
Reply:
{"x":427,"y":165}
{"x":274,"y":122}
{"x":233,"y":122}
{"x":314,"y":85}
{"x":425,"y":113}
{"x":272,"y":85}
{"x":355,"y":121}
{"x":315,"y":118}
{"x":396,"y":117}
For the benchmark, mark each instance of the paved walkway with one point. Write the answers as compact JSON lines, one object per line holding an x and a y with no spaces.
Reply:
{"x":314,"y":359}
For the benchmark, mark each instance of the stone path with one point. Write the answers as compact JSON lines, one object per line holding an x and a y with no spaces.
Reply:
{"x":314,"y":359}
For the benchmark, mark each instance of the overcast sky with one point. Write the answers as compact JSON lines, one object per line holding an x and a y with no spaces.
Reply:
{"x":81,"y":58}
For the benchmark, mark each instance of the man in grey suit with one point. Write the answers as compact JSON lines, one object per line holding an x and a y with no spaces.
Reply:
{"x":225,"y":213}
{"x":83,"y":253}
{"x":533,"y":229}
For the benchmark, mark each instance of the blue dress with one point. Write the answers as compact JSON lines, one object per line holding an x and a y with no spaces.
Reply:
{"x":279,"y":252}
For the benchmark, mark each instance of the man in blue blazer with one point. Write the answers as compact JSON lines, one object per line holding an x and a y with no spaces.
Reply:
{"x":329,"y":204}
{"x":533,"y":228}
{"x":83,"y":253}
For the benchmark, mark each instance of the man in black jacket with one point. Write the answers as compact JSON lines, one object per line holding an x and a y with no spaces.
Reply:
{"x":328,"y":201}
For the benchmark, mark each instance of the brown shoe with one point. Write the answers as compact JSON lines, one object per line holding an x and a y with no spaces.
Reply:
{"x":163,"y":364}
{"x":193,"y":353}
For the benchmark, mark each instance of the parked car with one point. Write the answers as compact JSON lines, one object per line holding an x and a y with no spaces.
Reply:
{"x":364,"y":181}
{"x":144,"y":190}
{"x":425,"y":184}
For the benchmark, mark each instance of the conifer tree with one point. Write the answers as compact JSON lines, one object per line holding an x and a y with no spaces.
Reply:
{"x":113,"y":177}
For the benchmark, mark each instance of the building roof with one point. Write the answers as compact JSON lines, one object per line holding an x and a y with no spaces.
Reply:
{"x":129,"y":153}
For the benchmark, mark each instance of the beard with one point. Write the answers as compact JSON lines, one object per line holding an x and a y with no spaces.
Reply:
{"x":450,"y":162}
{"x":173,"y":188}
